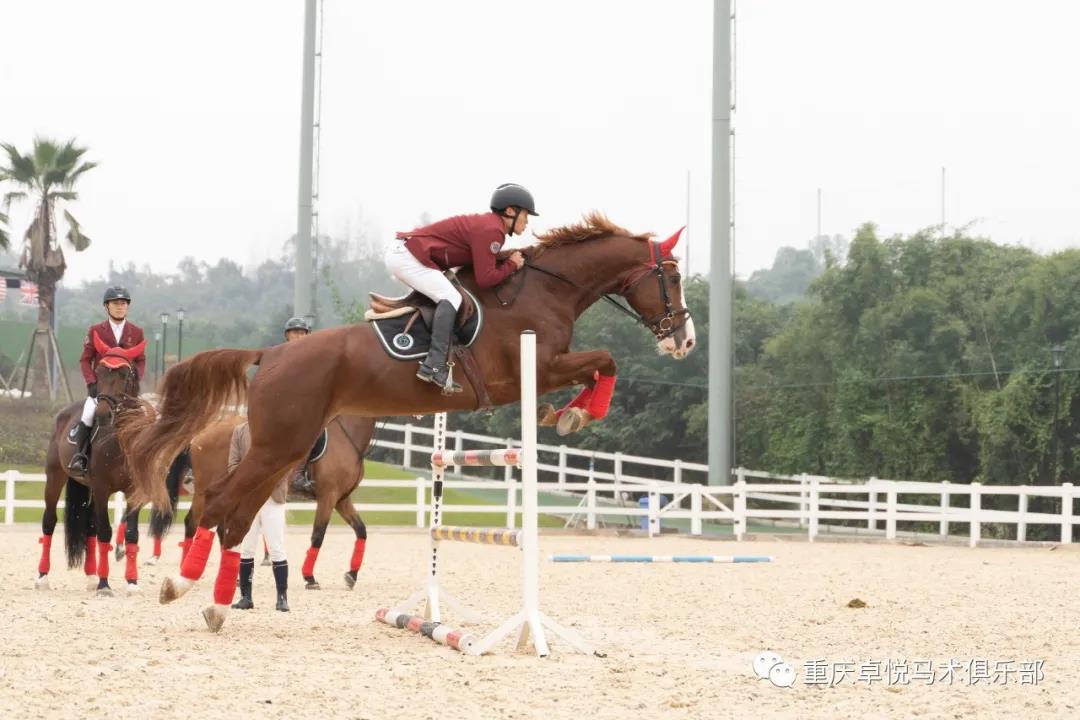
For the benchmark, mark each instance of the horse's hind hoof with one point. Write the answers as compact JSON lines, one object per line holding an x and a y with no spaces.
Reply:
{"x":572,"y":420}
{"x":119,"y":553}
{"x":214,"y":615}
{"x":152,"y":560}
{"x":546,"y":415}
{"x":172,"y":589}
{"x":91,"y":582}
{"x":350,"y":580}
{"x":105,"y":592}
{"x":42,"y":583}
{"x":133,"y":588}
{"x":313,"y":585}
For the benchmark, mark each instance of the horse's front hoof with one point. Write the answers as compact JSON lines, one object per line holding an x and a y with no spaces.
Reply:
{"x":350,"y":580}
{"x":119,"y":554}
{"x":133,"y":588}
{"x":214,"y":615}
{"x":312,"y":585}
{"x":91,"y":582}
{"x":172,"y":589}
{"x":266,"y":561}
{"x":104,"y":591}
{"x":152,"y":560}
{"x":573,"y":420}
{"x":546,"y":416}
{"x":42,"y":583}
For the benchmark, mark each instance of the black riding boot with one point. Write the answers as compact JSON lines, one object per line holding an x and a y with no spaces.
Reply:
{"x":435,"y":368}
{"x":303,"y":483}
{"x":247,"y":568}
{"x":281,"y":579}
{"x":79,"y":436}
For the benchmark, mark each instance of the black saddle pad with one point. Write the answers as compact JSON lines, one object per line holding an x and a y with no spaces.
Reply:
{"x":414,"y":344}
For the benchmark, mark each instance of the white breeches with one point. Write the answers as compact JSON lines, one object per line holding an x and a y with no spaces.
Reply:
{"x":404,"y":266}
{"x":88,"y":409}
{"x":270,"y":523}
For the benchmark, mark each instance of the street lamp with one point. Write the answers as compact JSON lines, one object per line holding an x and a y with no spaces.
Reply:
{"x":164,"y":339}
{"x":1058,"y":351}
{"x":180,"y":335}
{"x":157,"y":348}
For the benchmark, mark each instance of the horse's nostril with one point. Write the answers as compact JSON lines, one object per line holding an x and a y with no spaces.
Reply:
{"x":689,"y":344}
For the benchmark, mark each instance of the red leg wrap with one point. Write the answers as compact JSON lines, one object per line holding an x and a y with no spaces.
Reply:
{"x":157,"y":547}
{"x":103,"y":550}
{"x":90,"y":563}
{"x":582,"y":400}
{"x":195,"y":562}
{"x":309,"y":562}
{"x":46,"y":548}
{"x":185,"y":546}
{"x":228,"y":571}
{"x":357,"y":554}
{"x":120,"y":530}
{"x":131,"y":571}
{"x":601,"y":397}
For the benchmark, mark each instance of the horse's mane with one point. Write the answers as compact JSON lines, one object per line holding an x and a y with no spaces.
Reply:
{"x":594,"y":225}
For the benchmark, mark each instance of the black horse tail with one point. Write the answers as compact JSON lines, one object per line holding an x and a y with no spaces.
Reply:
{"x":161,"y":521}
{"x":77,"y":517}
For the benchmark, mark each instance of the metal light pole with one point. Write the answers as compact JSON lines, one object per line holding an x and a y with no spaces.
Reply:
{"x":157,"y":357}
{"x":303,"y":278}
{"x":720,"y":282}
{"x":179,"y":334}
{"x":1058,"y":351}
{"x":164,"y":340}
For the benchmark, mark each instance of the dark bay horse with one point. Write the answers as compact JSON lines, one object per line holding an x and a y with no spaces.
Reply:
{"x":87,"y":530}
{"x":299,"y":387}
{"x":336,"y":474}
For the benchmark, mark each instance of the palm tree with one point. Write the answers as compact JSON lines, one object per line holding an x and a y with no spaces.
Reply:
{"x":46,"y":175}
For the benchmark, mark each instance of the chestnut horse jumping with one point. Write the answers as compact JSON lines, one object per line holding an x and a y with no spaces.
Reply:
{"x":299,"y":387}
{"x":336,"y":474}
{"x":86,"y":515}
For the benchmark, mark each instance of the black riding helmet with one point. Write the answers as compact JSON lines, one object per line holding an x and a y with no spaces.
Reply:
{"x":297,"y":323}
{"x":116,"y":292}
{"x":513,"y":195}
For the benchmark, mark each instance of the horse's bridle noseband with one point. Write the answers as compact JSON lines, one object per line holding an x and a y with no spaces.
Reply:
{"x":663,"y":325}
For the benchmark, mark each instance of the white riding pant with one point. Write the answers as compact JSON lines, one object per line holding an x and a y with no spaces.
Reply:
{"x":404,"y":266}
{"x":270,"y":523}
{"x":88,"y":409}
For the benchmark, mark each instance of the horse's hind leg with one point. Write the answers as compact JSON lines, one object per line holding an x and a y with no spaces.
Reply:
{"x":131,"y":550}
{"x":323,"y":508}
{"x":348,"y":513}
{"x":121,"y":535}
{"x":100,"y":509}
{"x":54,"y":484}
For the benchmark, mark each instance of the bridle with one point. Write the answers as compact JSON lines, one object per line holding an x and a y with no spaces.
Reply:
{"x":661,"y":325}
{"x":120,"y":402}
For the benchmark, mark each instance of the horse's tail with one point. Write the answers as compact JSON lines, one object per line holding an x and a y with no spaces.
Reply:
{"x":77,"y":514}
{"x":193,"y":393}
{"x":160,"y":519}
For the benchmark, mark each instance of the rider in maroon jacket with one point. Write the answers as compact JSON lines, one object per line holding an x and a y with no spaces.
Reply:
{"x":419,"y":259}
{"x":116,"y":331}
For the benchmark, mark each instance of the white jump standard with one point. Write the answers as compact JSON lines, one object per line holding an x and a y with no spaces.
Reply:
{"x":529,"y":620}
{"x":716,"y":559}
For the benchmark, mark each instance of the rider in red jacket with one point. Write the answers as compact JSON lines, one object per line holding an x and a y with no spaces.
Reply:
{"x":420,"y":258}
{"x":116,"y":331}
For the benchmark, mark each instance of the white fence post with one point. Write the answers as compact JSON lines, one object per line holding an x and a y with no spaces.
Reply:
{"x":562,"y":465}
{"x":1066,"y":513}
{"x":871,"y":504}
{"x":804,"y":497}
{"x":974,"y":512}
{"x":511,"y":500}
{"x":677,"y":474}
{"x":9,"y":497}
{"x":406,"y":458}
{"x":421,"y":503}
{"x":943,"y":527}
{"x":1021,"y":523}
{"x":617,"y":470}
{"x":654,"y":510}
{"x":739,"y":496}
{"x":814,"y":499}
{"x":890,"y":512}
{"x":695,"y":509}
{"x":590,"y":505}
{"x":459,"y":445}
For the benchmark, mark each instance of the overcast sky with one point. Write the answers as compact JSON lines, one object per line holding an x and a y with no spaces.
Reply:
{"x":193,"y":111}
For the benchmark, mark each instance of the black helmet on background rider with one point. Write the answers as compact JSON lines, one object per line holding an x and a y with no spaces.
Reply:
{"x":513,"y":195}
{"x":297,"y":323}
{"x":116,"y":292}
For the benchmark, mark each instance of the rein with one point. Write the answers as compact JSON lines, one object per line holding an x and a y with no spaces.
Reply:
{"x":662,"y":325}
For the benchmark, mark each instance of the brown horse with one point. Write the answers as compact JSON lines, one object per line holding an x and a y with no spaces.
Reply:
{"x":336,"y":474}
{"x":299,"y":387}
{"x":87,"y":530}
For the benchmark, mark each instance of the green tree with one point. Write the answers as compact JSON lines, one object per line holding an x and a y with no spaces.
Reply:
{"x":46,"y":176}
